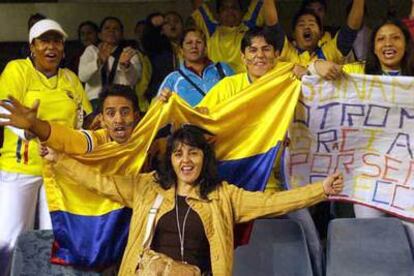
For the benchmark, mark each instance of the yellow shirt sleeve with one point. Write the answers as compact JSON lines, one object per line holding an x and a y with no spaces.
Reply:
{"x":13,"y":81}
{"x":203,"y":17}
{"x":331,"y":51}
{"x":255,"y":13}
{"x":251,"y":205}
{"x":289,"y":53}
{"x":71,"y":141}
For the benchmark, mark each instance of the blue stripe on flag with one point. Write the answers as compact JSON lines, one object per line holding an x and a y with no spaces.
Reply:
{"x":250,"y":173}
{"x":73,"y":238}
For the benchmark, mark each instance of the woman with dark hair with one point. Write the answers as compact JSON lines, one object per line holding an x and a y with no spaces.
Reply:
{"x":88,"y":33}
{"x":195,"y":218}
{"x":390,"y":52}
{"x":197,"y":74}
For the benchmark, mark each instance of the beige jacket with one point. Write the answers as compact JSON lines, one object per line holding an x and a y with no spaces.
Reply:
{"x":224,"y":207}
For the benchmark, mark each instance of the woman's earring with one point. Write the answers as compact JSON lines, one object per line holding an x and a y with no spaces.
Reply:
{"x":32,"y":54}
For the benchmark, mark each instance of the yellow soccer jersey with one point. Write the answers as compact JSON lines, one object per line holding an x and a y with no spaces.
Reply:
{"x":223,"y":43}
{"x":327,"y":51}
{"x":325,"y":38}
{"x":62,"y":100}
{"x":224,"y":89}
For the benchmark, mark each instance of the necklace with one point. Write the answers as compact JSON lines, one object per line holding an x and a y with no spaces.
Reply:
{"x":181,"y":231}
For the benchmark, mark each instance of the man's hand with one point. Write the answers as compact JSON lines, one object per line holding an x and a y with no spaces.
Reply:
{"x":333,"y":184}
{"x":20,"y":116}
{"x":328,"y":70}
{"x":202,"y":109}
{"x":299,"y":71}
{"x":164,"y":95}
{"x":48,"y":153}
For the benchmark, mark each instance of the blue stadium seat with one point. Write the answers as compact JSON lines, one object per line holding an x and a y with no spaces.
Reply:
{"x":276,"y":247}
{"x":32,"y":253}
{"x":374,"y":246}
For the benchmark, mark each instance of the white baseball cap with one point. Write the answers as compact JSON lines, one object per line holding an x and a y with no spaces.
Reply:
{"x":43,"y":26}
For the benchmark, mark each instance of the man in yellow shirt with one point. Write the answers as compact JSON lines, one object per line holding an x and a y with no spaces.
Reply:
{"x":307,"y":28}
{"x":259,"y":53}
{"x":224,"y":35}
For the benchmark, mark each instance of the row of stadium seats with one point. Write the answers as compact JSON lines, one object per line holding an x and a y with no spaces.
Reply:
{"x":277,"y":247}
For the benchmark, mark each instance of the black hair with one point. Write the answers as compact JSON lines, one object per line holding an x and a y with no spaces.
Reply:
{"x":88,"y":23}
{"x":306,"y":3}
{"x":33,"y":19}
{"x":220,"y":2}
{"x":303,"y":12}
{"x":373,"y":65}
{"x":154,"y":41}
{"x":140,"y":22}
{"x":257,"y":32}
{"x":111,"y":18}
{"x":192,"y":29}
{"x":193,"y":136}
{"x":176,"y":14}
{"x":119,"y":90}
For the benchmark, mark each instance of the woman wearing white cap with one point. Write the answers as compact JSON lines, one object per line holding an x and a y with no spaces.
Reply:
{"x":37,"y":80}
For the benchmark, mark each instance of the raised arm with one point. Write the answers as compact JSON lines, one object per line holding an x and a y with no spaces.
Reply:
{"x":117,"y":188}
{"x":197,"y":4}
{"x":411,"y":16}
{"x":24,"y":118}
{"x":58,"y":137}
{"x":251,"y":205}
{"x":356,"y":14}
{"x":270,"y":10}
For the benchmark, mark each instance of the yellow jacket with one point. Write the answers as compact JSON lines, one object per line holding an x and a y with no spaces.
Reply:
{"x":224,"y":207}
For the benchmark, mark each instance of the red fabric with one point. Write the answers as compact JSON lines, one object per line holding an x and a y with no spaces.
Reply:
{"x":410,"y":25}
{"x":242,"y":233}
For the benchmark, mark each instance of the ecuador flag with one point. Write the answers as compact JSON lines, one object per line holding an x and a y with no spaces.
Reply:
{"x":91,"y":231}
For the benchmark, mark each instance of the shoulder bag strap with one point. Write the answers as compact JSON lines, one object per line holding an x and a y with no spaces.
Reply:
{"x":149,"y":230}
{"x":220,"y":70}
{"x":199,"y":90}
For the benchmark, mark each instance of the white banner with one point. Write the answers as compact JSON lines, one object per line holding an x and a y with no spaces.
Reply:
{"x":362,"y":126}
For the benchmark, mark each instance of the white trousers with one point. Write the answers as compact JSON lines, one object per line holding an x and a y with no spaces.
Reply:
{"x":19,"y":194}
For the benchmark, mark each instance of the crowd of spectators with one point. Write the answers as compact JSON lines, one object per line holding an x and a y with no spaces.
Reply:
{"x":205,"y":59}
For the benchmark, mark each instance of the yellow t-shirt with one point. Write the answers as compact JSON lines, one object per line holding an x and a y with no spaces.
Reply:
{"x":223,"y":43}
{"x":327,"y":51}
{"x":227,"y":88}
{"x":62,"y":100}
{"x":354,"y":68}
{"x":325,"y":38}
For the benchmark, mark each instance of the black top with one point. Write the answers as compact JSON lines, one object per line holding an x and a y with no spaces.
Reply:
{"x":196,"y":247}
